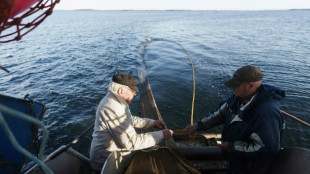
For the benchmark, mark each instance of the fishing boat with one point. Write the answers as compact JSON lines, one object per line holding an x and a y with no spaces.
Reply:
{"x":180,"y":154}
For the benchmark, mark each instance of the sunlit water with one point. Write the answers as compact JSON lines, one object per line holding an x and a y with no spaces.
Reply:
{"x":68,"y":61}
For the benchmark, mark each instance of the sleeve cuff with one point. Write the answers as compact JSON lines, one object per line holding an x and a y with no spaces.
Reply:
{"x":150,"y":122}
{"x":158,"y":135}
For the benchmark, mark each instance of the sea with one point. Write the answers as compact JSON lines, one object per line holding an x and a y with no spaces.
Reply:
{"x":67,"y":63}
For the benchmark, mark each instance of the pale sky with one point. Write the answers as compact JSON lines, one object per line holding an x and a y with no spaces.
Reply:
{"x":183,"y":4}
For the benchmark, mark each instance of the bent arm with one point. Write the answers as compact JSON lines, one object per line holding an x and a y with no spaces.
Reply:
{"x":124,"y":134}
{"x":216,"y":118}
{"x":142,"y":123}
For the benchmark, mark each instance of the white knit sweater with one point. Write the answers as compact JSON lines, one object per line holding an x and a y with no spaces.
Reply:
{"x":114,"y":130}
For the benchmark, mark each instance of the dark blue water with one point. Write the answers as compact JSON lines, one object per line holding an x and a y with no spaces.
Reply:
{"x":67,"y":63}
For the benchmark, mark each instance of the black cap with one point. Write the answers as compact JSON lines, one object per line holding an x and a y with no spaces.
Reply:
{"x":247,"y":73}
{"x":127,"y":80}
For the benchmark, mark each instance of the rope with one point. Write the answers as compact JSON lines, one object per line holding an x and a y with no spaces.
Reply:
{"x":189,"y":58}
{"x":14,"y":141}
{"x":66,"y":147}
{"x":148,"y":108}
{"x":184,"y":132}
{"x":4,"y":69}
{"x":24,"y":28}
{"x":156,"y":147}
{"x":295,"y":118}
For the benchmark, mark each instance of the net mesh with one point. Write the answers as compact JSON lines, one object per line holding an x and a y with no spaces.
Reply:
{"x":15,"y":28}
{"x":166,"y":159}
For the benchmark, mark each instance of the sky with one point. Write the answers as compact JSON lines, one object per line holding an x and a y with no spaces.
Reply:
{"x":183,"y":4}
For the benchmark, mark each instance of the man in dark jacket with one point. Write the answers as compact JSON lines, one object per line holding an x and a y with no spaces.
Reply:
{"x":252,"y":121}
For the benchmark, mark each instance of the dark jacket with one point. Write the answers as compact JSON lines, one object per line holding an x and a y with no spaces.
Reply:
{"x":253,"y":131}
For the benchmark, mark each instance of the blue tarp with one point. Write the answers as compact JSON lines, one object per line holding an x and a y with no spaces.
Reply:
{"x":11,"y":160}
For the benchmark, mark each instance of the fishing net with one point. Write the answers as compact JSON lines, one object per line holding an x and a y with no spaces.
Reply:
{"x":167,"y":158}
{"x":14,"y":28}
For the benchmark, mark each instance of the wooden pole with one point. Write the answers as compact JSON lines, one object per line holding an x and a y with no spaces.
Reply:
{"x":295,"y":118}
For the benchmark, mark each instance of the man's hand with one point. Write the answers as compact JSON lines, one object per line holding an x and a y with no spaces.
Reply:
{"x":191,"y":129}
{"x":167,"y":133}
{"x":159,"y":124}
{"x":224,"y":145}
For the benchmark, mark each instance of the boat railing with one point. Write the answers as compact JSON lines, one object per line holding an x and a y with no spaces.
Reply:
{"x":13,"y":140}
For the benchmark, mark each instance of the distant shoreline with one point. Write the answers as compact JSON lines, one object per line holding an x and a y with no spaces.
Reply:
{"x":181,"y":10}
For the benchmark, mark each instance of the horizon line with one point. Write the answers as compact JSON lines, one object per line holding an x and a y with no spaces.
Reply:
{"x":177,"y":9}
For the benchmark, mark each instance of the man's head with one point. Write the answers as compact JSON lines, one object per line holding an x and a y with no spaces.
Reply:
{"x":127,"y":87}
{"x":246,"y":81}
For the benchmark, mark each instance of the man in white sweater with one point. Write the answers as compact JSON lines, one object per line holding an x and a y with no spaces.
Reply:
{"x":114,"y":128}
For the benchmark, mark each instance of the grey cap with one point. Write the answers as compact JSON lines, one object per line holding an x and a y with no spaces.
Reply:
{"x":127,"y":80}
{"x":247,"y":73}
